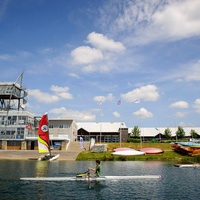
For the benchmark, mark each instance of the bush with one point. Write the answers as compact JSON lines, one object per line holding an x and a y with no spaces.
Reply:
{"x":135,"y":140}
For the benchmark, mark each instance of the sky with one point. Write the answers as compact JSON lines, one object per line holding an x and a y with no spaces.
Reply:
{"x":130,"y":61}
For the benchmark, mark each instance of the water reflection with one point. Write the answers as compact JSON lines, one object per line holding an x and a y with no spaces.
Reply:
{"x":41,"y":168}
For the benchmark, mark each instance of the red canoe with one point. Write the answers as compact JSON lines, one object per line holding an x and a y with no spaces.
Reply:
{"x":122,"y":149}
{"x":151,"y":150}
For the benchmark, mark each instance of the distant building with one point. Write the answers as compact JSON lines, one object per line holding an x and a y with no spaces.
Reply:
{"x":103,"y":131}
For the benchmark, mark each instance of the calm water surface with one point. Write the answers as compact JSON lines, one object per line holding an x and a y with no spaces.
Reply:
{"x":176,"y":183}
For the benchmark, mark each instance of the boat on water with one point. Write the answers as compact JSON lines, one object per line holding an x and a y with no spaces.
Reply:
{"x":187,"y":165}
{"x":151,"y":150}
{"x":44,"y":146}
{"x":101,"y":178}
{"x":130,"y":152}
{"x":186,"y":148}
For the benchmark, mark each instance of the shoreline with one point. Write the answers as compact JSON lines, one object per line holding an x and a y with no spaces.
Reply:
{"x":34,"y":155}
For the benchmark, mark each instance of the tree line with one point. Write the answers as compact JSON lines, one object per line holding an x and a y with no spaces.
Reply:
{"x":180,"y":133}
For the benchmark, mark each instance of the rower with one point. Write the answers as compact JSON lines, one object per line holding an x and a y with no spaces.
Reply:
{"x":97,"y":169}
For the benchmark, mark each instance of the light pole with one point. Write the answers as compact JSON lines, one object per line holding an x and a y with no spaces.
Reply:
{"x":159,"y":133}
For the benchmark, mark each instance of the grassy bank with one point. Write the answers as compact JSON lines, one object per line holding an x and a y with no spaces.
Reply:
{"x":168,"y":154}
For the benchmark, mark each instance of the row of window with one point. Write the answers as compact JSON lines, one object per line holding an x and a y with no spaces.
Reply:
{"x":103,"y":139}
{"x":14,"y":120}
{"x":12,"y":134}
{"x":59,"y":126}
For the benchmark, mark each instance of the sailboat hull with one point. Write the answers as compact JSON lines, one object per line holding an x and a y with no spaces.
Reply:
{"x":49,"y":158}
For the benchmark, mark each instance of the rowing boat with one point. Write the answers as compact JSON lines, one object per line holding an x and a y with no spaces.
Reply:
{"x":187,"y":165}
{"x":102,"y":178}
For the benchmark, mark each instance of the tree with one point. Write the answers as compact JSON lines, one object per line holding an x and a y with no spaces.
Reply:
{"x":167,"y":133}
{"x":194,"y":134}
{"x":135,"y":132}
{"x":180,"y":133}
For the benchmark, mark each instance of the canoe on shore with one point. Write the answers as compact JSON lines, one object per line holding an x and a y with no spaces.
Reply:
{"x":131,"y":152}
{"x":122,"y":149}
{"x":151,"y":150}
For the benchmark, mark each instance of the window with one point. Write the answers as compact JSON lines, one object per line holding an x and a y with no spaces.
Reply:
{"x":22,"y":119}
{"x":20,"y":133}
{"x":50,"y":125}
{"x":61,"y":126}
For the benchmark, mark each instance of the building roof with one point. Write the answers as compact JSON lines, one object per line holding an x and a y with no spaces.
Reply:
{"x":101,"y":126}
{"x":152,"y":132}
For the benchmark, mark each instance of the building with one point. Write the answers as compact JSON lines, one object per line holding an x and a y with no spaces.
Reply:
{"x":15,"y":126}
{"x":103,"y":131}
{"x":18,"y":127}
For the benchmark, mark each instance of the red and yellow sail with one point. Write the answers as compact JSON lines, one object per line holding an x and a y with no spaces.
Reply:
{"x":43,"y":135}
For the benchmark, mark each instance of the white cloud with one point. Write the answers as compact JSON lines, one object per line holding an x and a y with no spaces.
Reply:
{"x":178,"y":20}
{"x":143,"y":113}
{"x":59,"y":93}
{"x":58,"y":89}
{"x":100,"y":99}
{"x":180,"y":114}
{"x":102,"y":42}
{"x":76,"y":115}
{"x":7,"y":57}
{"x":156,"y":20}
{"x":179,"y":104}
{"x":86,"y":55}
{"x":97,"y":68}
{"x":101,"y":57}
{"x":43,"y":96}
{"x":62,"y":92}
{"x":146,"y":93}
{"x":116,"y":114}
{"x":193,"y":72}
{"x":73,"y":75}
{"x":197,"y":105}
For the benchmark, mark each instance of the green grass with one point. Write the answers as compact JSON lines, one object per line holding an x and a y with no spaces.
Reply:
{"x":168,"y":154}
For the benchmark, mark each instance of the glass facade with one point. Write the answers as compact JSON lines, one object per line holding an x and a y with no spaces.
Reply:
{"x":15,"y":126}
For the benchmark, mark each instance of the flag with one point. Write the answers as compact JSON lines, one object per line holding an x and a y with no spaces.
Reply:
{"x":119,"y":102}
{"x":29,"y":127}
{"x":100,"y":102}
{"x":137,"y":101}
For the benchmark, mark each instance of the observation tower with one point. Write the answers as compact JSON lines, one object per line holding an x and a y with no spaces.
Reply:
{"x":12,"y":95}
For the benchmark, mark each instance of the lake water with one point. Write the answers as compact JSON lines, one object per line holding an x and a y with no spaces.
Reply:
{"x":176,"y":183}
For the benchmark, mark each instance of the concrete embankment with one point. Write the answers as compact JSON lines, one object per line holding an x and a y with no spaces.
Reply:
{"x":70,"y":154}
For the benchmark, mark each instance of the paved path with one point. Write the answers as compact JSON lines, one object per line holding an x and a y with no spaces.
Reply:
{"x":71,"y":154}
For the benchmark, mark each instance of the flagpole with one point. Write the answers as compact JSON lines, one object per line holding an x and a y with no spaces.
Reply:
{"x":120,"y":136}
{"x":140,"y":129}
{"x":100,"y":132}
{"x":99,"y":103}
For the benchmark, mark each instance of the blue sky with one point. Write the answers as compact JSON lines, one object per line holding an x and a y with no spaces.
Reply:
{"x":80,"y":57}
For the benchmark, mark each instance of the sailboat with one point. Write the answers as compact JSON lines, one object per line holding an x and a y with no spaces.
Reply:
{"x":44,"y":141}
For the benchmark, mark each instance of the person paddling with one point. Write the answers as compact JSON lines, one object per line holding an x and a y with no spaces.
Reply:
{"x":97,"y":169}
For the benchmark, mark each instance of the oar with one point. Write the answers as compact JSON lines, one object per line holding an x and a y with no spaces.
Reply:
{"x":88,"y":174}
